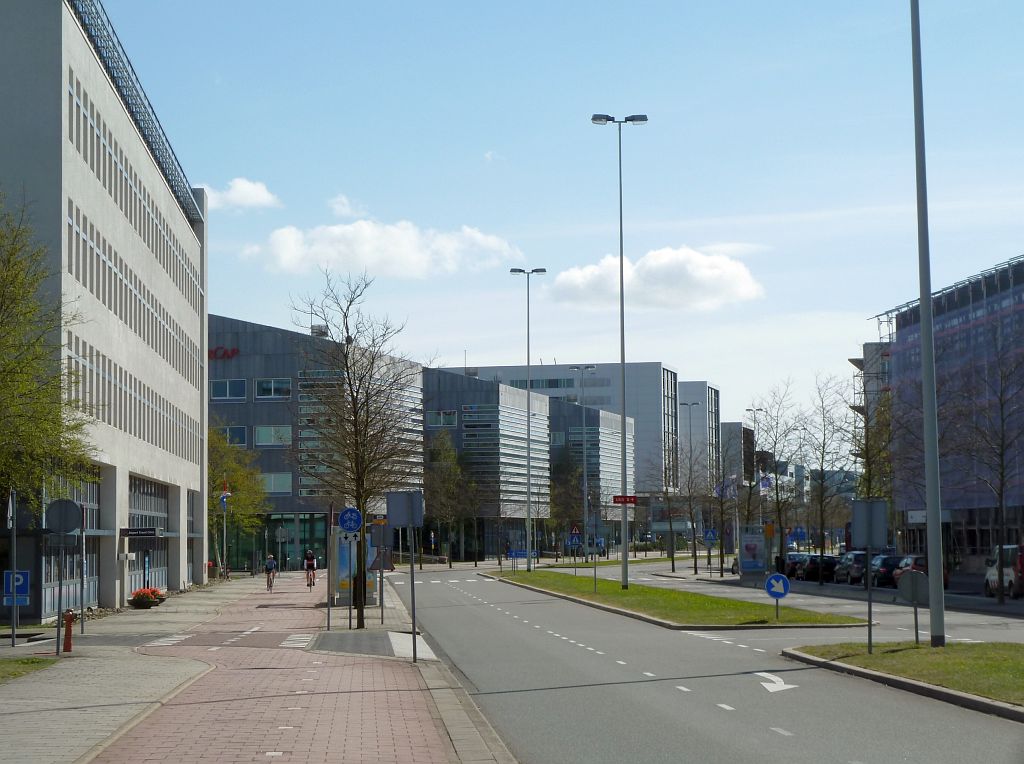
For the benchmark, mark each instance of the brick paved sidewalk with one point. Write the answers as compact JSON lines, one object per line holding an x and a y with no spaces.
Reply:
{"x":265,"y":696}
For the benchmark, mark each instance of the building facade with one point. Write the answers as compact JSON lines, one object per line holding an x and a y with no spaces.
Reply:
{"x":978,"y":335}
{"x":126,"y":237}
{"x":262,"y":398}
{"x":651,"y":402}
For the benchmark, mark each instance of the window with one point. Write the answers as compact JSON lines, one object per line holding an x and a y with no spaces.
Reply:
{"x":441,"y":419}
{"x":274,"y":388}
{"x":277,"y":482}
{"x":235,"y":435}
{"x":227,"y":389}
{"x":272,"y":435}
{"x":557,"y":438}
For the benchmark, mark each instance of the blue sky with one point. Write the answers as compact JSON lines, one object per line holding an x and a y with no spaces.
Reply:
{"x":769,"y":204}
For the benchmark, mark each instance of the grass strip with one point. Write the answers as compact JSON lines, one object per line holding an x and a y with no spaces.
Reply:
{"x":671,"y":605}
{"x":11,"y":668}
{"x":992,"y":670}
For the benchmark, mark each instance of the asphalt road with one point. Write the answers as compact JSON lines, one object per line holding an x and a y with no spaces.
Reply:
{"x":565,"y":682}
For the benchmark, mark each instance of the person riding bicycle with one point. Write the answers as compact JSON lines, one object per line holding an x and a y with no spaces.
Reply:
{"x":270,"y":568}
{"x":310,"y":565}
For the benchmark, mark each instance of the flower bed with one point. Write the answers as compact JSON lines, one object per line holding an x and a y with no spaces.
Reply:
{"x":146,"y":597}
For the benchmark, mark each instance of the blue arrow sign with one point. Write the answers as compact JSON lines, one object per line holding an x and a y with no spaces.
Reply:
{"x":350,"y":520}
{"x":777,"y":586}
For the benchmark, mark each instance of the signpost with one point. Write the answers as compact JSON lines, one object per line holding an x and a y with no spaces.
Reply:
{"x":406,"y":508}
{"x":12,"y":524}
{"x":63,"y":518}
{"x":777,"y":586}
{"x":913,"y":587}
{"x":869,"y":530}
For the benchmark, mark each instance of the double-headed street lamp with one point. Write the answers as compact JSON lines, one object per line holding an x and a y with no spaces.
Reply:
{"x":529,"y":415}
{"x":633,"y":119}
{"x":689,"y":477}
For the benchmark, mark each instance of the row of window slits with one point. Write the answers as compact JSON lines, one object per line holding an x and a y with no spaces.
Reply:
{"x":89,"y":133}
{"x":96,"y":265}
{"x":117,"y":398}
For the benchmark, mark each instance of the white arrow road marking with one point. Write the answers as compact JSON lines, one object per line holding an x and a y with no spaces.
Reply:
{"x":724,"y":707}
{"x":781,"y":731}
{"x":775,"y":684}
{"x":682,"y":689}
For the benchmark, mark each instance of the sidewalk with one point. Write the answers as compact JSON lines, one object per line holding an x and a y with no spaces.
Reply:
{"x":234,"y":673}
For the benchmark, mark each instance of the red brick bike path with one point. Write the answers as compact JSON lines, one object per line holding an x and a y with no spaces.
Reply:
{"x":268,"y":702}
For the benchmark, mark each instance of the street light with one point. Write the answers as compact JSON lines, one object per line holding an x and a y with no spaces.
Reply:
{"x":633,"y":119}
{"x":586,"y":492}
{"x":529,"y":414}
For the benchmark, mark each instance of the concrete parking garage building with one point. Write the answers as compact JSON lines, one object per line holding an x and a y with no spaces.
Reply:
{"x":125,"y":232}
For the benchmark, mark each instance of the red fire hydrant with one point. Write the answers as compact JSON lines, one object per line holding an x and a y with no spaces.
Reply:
{"x":69,"y":621}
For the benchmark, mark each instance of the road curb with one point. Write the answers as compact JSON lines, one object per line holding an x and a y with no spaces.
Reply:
{"x":955,"y":697}
{"x":672,"y":624}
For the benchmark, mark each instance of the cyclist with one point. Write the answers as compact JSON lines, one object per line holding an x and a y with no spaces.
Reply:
{"x":310,"y":565}
{"x":270,"y":568}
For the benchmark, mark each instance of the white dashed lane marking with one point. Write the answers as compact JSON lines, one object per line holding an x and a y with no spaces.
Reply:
{"x":297,"y":640}
{"x":169,"y":641}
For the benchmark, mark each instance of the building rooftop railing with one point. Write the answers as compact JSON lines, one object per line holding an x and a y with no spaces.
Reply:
{"x":115,"y":61}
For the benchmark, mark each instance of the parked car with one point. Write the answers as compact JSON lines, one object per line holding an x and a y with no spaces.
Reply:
{"x":817,"y":567}
{"x":917,"y":562}
{"x":850,"y":568}
{"x":883,"y":569}
{"x":1013,"y":571}
{"x":793,"y":559}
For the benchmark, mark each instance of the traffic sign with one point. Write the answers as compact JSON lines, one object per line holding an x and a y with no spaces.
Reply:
{"x":777,"y":586}
{"x":575,"y":539}
{"x":16,"y":582}
{"x":710,"y":536}
{"x":623,"y":499}
{"x":520,"y":554}
{"x":64,"y":516}
{"x":350,"y":520}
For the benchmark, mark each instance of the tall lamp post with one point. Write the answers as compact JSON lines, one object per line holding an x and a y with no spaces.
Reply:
{"x":583,"y":415}
{"x":633,"y":119}
{"x":529,"y":416}
{"x":689,"y":475}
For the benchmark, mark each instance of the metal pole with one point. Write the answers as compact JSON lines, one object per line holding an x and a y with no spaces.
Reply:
{"x":412,"y":587}
{"x":81,"y":586}
{"x":529,"y":487}
{"x":586,"y":487}
{"x":351,"y":583}
{"x":331,"y":564}
{"x":12,"y":523}
{"x":224,"y":547}
{"x":622,"y":376}
{"x":60,"y":594}
{"x":933,"y":498}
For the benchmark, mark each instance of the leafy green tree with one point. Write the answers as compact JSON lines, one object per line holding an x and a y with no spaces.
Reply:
{"x":43,"y":429}
{"x":234,"y":468}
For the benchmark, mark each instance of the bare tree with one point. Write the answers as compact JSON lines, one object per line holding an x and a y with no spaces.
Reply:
{"x":443,"y":485}
{"x":779,"y":429}
{"x":366,"y":396}
{"x":828,"y":428}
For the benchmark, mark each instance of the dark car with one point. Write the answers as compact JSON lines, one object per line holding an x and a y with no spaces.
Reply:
{"x":883,"y":569}
{"x":850,"y":568}
{"x":817,"y":568}
{"x":793,"y":560}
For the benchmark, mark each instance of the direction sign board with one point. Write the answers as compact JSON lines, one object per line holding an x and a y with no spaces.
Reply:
{"x":350,"y":520}
{"x":520,"y":554}
{"x":777,"y":586}
{"x":135,"y":533}
{"x":623,"y":499}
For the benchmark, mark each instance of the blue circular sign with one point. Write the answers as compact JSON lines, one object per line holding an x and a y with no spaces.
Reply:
{"x":350,"y":520}
{"x":777,"y":586}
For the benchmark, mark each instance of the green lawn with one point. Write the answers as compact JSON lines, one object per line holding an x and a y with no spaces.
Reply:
{"x":603,"y":563}
{"x":992,"y":670}
{"x":10,"y":668}
{"x":674,"y":606}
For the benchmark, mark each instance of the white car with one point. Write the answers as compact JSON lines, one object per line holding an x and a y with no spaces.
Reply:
{"x":1011,"y":571}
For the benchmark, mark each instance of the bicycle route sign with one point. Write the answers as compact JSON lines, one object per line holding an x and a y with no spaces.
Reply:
{"x":350,"y":520}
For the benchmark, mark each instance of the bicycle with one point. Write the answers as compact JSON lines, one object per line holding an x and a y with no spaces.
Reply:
{"x":271,"y":575}
{"x":310,"y":577}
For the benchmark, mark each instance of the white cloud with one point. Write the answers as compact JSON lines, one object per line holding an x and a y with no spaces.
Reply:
{"x":250,"y":252}
{"x":683,"y":279}
{"x":398,"y":249}
{"x":343,"y":207}
{"x":242,"y":193}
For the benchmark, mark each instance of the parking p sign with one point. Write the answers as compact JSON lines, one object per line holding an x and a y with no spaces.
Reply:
{"x":16,"y":587}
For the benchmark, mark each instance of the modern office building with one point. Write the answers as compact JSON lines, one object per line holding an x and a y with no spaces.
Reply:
{"x":978,"y":331}
{"x":260,"y":394}
{"x":125,"y":232}
{"x":651,"y":402}
{"x":700,"y":426}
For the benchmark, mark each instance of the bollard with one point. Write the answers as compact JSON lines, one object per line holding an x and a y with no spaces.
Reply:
{"x":69,"y":620}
